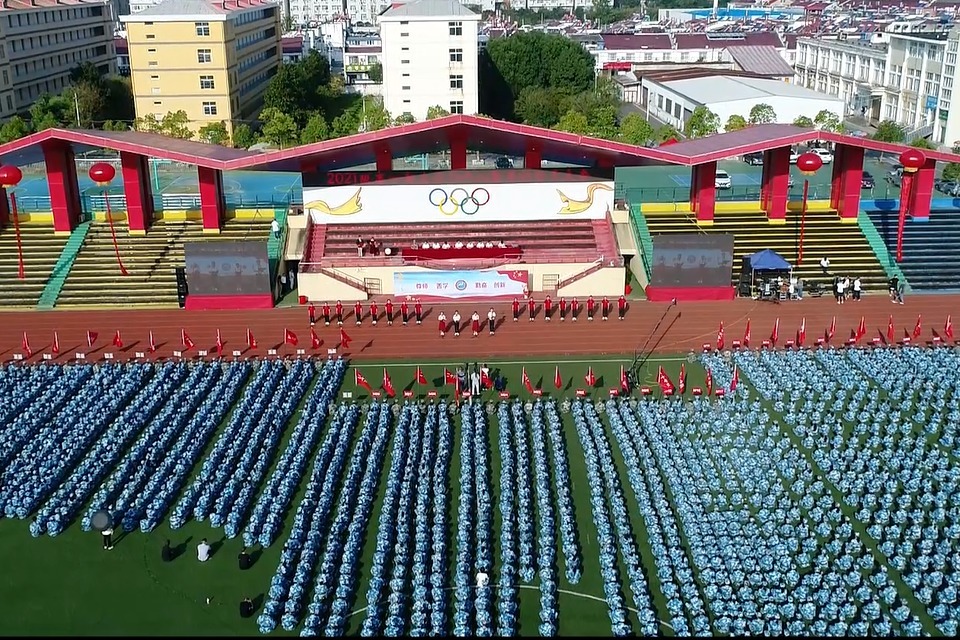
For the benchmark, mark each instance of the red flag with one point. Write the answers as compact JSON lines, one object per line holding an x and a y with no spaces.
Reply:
{"x":450,"y":377}
{"x":344,"y":339}
{"x":117,"y":340}
{"x":948,"y":328}
{"x":861,"y":329}
{"x":526,"y":381}
{"x":557,"y":380}
{"x":185,"y":339}
{"x":91,"y":338}
{"x":917,"y":328}
{"x":682,"y":380}
{"x":746,"y":336}
{"x":289,"y":337}
{"x":891,"y":334}
{"x":251,"y":341}
{"x":219,"y":344}
{"x":421,"y":379}
{"x":624,"y":380}
{"x":776,"y":332}
{"x":25,"y":345}
{"x":832,"y":330}
{"x":360,"y":380}
{"x":153,"y":343}
{"x":456,"y":391}
{"x":485,"y":380}
{"x":315,"y":340}
{"x":388,"y":384}
{"x":56,"y":344}
{"x":801,"y":335}
{"x":719,"y":338}
{"x":590,"y":379}
{"x":709,"y":381}
{"x":666,"y":385}
{"x":736,"y":378}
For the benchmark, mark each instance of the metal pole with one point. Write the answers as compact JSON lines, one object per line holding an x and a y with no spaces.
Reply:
{"x":16,"y":229}
{"x":803,"y":219}
{"x":113,"y":234}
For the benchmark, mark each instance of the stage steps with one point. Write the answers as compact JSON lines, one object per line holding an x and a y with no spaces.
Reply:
{"x":931,"y":250}
{"x":41,"y":251}
{"x":824,"y":235}
{"x":151,"y":261}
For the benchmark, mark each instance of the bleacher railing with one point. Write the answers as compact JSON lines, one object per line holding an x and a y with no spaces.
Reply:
{"x":559,"y":257}
{"x":165,"y":202}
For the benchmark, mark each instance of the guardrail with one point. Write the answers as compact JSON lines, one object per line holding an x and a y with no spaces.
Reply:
{"x":642,"y":232}
{"x":333,"y":262}
{"x":666,"y":195}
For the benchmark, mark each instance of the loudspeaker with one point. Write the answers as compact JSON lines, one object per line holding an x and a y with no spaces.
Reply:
{"x":182,"y":288}
{"x":745,"y":266}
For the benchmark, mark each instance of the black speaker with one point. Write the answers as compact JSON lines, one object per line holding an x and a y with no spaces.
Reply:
{"x":182,"y":288}
{"x":745,"y":264}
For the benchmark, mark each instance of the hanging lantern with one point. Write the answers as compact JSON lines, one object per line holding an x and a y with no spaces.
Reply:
{"x":10,"y":176}
{"x":809,"y":163}
{"x":912,"y":160}
{"x":102,"y":173}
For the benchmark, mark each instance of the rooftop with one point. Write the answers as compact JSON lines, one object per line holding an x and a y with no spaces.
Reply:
{"x":728,"y":88}
{"x":760,"y":59}
{"x":428,"y":9}
{"x":23,"y":5}
{"x":173,"y":10}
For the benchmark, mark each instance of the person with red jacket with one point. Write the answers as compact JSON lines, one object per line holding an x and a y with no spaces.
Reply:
{"x":591,"y":307}
{"x":605,"y":308}
{"x":358,"y":312}
{"x":418,"y":310}
{"x":516,"y":309}
{"x":547,"y":308}
{"x":531,"y":308}
{"x":312,"y":312}
{"x":574,"y":309}
{"x":442,"y":320}
{"x":389,"y":307}
{"x":339,"y":312}
{"x":326,"y":313}
{"x":621,"y":307}
{"x":563,"y":308}
{"x":374,"y":312}
{"x":404,"y":312}
{"x":475,"y":322}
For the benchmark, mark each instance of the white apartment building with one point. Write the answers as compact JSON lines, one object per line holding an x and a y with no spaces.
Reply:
{"x":430,"y":57}
{"x":909,"y":79}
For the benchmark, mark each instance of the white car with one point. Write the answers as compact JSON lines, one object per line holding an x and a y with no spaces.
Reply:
{"x":722,"y":180}
{"x":825,"y":155}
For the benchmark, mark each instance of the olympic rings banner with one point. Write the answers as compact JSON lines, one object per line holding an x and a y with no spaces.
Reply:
{"x":381,"y":202}
{"x":460,"y":284}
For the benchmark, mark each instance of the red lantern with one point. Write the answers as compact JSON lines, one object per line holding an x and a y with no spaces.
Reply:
{"x":809,"y":163}
{"x":10,"y":176}
{"x":912,"y":159}
{"x":102,"y":173}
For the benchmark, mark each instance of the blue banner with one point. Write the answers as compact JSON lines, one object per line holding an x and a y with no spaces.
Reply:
{"x":460,"y":284}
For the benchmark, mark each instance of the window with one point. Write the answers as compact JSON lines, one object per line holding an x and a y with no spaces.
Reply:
{"x":206,"y":82}
{"x":209,"y":108}
{"x":152,"y":63}
{"x":456,"y":106}
{"x":151,"y":50}
{"x":456,"y":28}
{"x":456,"y":82}
{"x":456,"y":55}
{"x":404,"y":62}
{"x":406,"y":101}
{"x":203,"y":28}
{"x":154,"y":77}
{"x":404,"y":48}
{"x":405,"y":88}
{"x":150,"y":36}
{"x":404,"y":34}
{"x":404,"y":22}
{"x":204,"y":56}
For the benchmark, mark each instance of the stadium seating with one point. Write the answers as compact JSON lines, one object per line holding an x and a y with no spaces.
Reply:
{"x":41,"y":250}
{"x":930,"y":249}
{"x":150,"y":261}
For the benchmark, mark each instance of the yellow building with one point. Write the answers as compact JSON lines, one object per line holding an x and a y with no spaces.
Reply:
{"x":212,"y":60}
{"x":41,"y":41}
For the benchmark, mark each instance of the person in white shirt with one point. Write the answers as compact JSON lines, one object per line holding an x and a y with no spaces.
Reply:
{"x":275,"y":228}
{"x":475,"y":320}
{"x":458,"y":245}
{"x":107,"y":535}
{"x":203,"y":551}
{"x":824,"y":264}
{"x":445,"y":245}
{"x":857,"y":289}
{"x":456,"y":323}
{"x":492,"y":320}
{"x":442,"y":319}
{"x":471,"y":245}
{"x":841,"y":286}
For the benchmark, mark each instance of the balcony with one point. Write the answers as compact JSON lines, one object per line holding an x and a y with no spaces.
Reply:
{"x":357,"y":68}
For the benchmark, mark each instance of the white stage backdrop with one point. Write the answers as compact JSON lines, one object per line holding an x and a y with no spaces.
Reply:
{"x":366,"y":204}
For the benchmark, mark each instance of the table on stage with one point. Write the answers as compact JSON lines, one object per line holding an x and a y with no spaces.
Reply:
{"x":464,"y":253}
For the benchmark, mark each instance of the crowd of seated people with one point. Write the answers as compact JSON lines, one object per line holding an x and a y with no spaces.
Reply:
{"x":460,"y":245}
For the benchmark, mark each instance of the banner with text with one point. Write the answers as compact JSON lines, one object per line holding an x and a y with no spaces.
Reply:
{"x":460,"y":284}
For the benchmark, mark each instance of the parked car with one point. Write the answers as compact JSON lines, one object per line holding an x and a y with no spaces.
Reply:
{"x":722,"y":180}
{"x":824,"y":154}
{"x":503,"y":162}
{"x":753,"y":159}
{"x":946,"y":186}
{"x":867,"y":181}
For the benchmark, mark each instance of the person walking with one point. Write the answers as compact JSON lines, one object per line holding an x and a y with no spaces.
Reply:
{"x":857,"y":289}
{"x":605,"y":308}
{"x":326,"y":314}
{"x":388,"y":306}
{"x":840,"y":291}
{"x":244,"y":561}
{"x":339,"y":313}
{"x":547,"y":308}
{"x":404,"y":312}
{"x":358,"y":312}
{"x":456,"y":323}
{"x":621,"y":307}
{"x":563,"y":308}
{"x":374,"y":312}
{"x":574,"y":309}
{"x":107,"y":536}
{"x":442,"y":320}
{"x":312,"y":312}
{"x":492,"y":320}
{"x":275,"y":228}
{"x":418,"y":310}
{"x":824,"y":264}
{"x":531,"y":308}
{"x":591,"y":308}
{"x":516,"y":309}
{"x":475,"y":324}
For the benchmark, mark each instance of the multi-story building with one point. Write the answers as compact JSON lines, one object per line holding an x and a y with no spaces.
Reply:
{"x":41,"y":41}
{"x":664,"y":51}
{"x":430,"y":58}
{"x":362,"y":54}
{"x":212,"y":60}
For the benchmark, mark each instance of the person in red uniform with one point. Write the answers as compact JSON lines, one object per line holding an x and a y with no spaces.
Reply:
{"x":442,"y":320}
{"x":605,"y":308}
{"x":312,"y":312}
{"x":563,"y":309}
{"x":339,"y":312}
{"x":574,"y":309}
{"x":547,"y":308}
{"x":404,"y":312}
{"x":374,"y":312}
{"x":358,"y":312}
{"x":621,"y":307}
{"x":326,"y":313}
{"x":591,"y":307}
{"x":531,"y":308}
{"x":516,"y":309}
{"x":418,"y":310}
{"x":389,"y":307}
{"x":475,"y":319}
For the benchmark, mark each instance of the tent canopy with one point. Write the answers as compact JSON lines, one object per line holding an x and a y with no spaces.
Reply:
{"x":768,"y":260}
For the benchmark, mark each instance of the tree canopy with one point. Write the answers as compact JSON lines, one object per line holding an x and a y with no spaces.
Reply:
{"x":735,"y":123}
{"x":702,"y":123}
{"x":803,"y":121}
{"x":889,"y":131}
{"x":827,"y":120}
{"x":301,"y":88}
{"x":762,"y":113}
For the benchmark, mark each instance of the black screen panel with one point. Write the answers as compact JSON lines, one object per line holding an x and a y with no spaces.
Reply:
{"x":227,"y":268}
{"x":692,"y":260}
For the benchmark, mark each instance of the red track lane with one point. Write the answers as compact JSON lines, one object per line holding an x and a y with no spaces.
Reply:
{"x":696,"y":325}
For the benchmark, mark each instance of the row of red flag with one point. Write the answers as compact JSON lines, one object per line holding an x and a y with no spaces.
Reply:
{"x":289,"y":337}
{"x":829,"y":334}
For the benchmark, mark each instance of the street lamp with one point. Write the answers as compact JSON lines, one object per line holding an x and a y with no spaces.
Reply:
{"x":808,"y":163}
{"x":911,"y":159}
{"x":103,"y":174}
{"x":10,"y":177}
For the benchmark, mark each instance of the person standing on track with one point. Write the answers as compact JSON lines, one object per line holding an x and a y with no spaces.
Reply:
{"x":475,"y":322}
{"x":591,"y":308}
{"x":574,"y":309}
{"x":418,"y":309}
{"x":442,"y":320}
{"x":531,"y":308}
{"x":605,"y":308}
{"x":456,"y":323}
{"x":358,"y":312}
{"x":621,"y":307}
{"x":492,"y":320}
{"x":326,"y":314}
{"x":404,"y":312}
{"x":563,"y":308}
{"x":516,"y":309}
{"x":339,"y":313}
{"x":312,"y":312}
{"x":374,"y":312}
{"x":547,"y":308}
{"x":388,"y":305}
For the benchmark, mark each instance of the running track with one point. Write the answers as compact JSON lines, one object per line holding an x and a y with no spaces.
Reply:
{"x":696,"y":324}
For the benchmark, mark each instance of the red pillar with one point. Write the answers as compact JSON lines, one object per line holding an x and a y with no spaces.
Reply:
{"x":135,"y":171}
{"x":921,"y":193}
{"x":4,"y":207}
{"x":64,"y":189}
{"x":703,"y":198}
{"x":836,"y":179}
{"x":212,"y":205}
{"x":851,"y":171}
{"x":384,"y":159}
{"x":694,"y":190}
{"x":765,"y":169}
{"x":776,"y":166}
{"x":458,"y":151}
{"x":533,"y":158}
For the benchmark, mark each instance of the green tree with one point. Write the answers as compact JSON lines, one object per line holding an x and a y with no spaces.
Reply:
{"x":889,"y":131}
{"x":90,"y":99}
{"x":922,"y":143}
{"x":542,"y":106}
{"x":803,"y":121}
{"x":118,"y":95}
{"x":215,"y":133}
{"x":436,"y":111}
{"x":51,"y":111}
{"x":950,"y":172}
{"x":243,"y":137}
{"x":762,"y":113}
{"x":300,"y":88}
{"x":279,"y":128}
{"x":601,"y":12}
{"x":666,"y":132}
{"x":316,"y":130}
{"x":371,"y":115}
{"x":375,"y":73}
{"x":345,"y":124}
{"x":827,"y":120}
{"x":404,"y":118}
{"x":573,"y":122}
{"x":735,"y":123}
{"x":148,"y":123}
{"x":702,"y":123}
{"x":602,"y":123}
{"x":176,"y":124}
{"x":85,"y":72}
{"x":13,"y":129}
{"x":115,"y":125}
{"x":635,"y":129}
